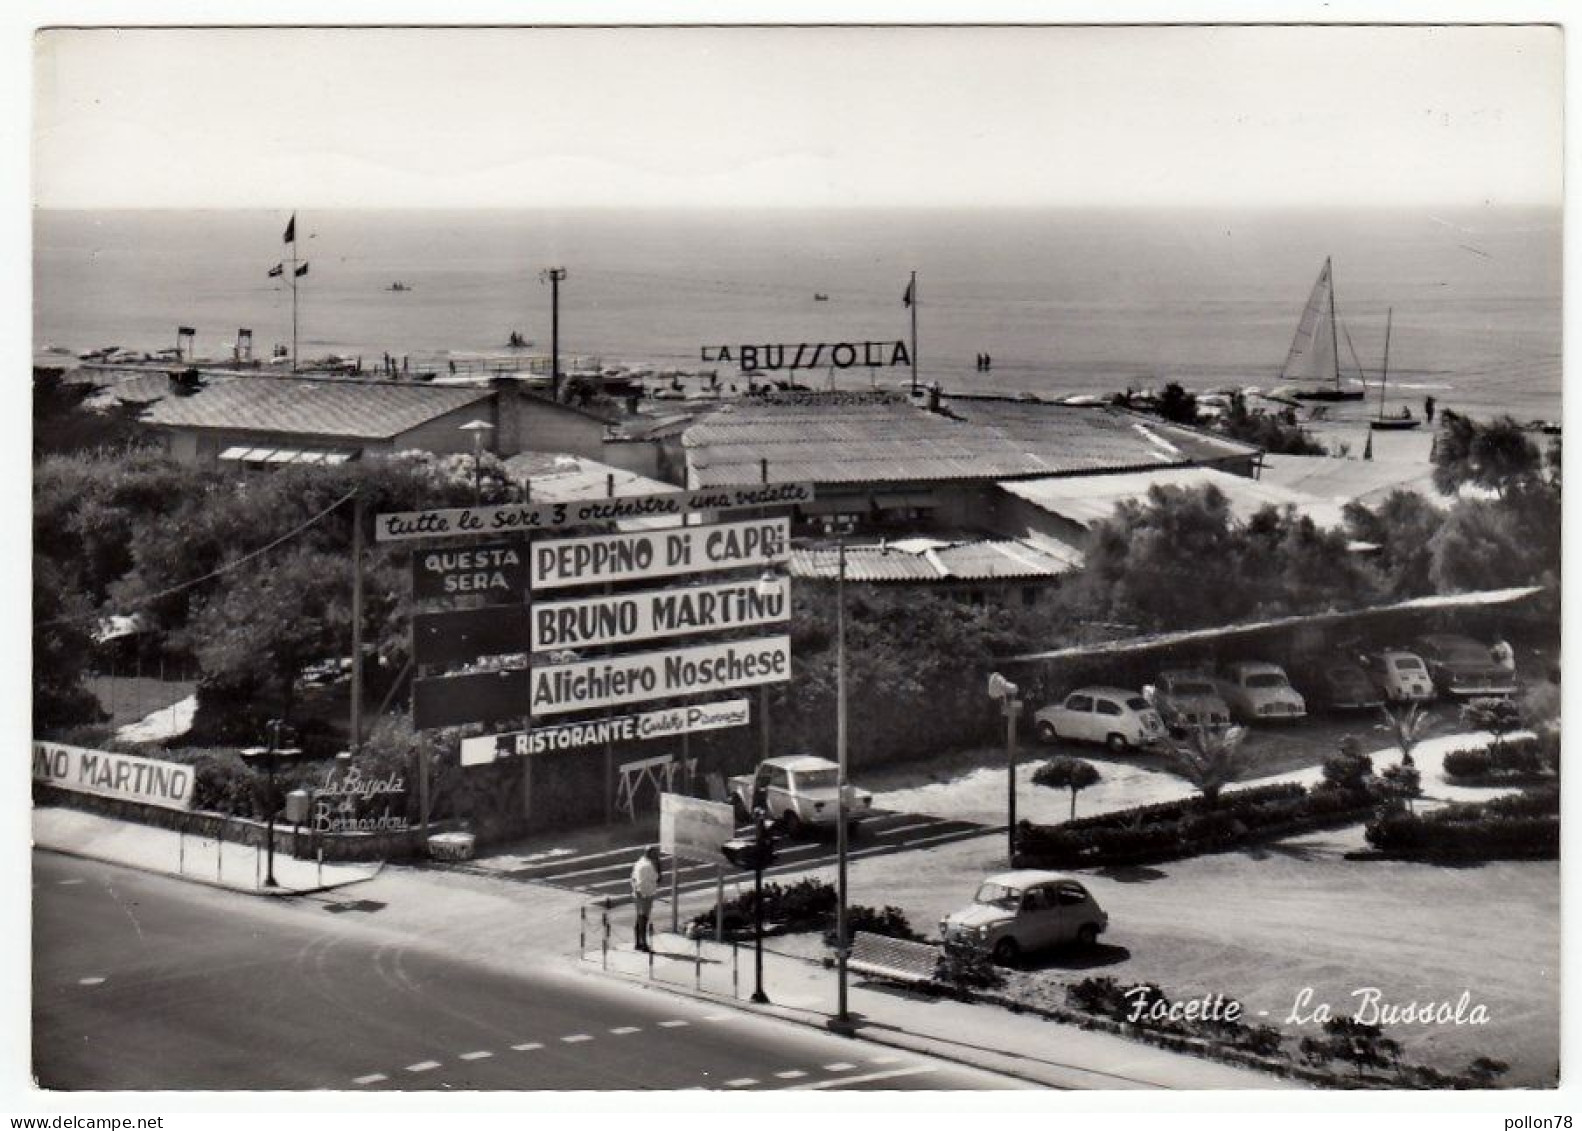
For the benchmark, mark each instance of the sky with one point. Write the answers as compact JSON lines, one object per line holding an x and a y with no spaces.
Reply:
{"x":797,"y":117}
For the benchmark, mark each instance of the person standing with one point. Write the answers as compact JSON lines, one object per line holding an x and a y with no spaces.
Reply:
{"x":1428,"y":407}
{"x":1504,"y":656}
{"x":645,"y":885}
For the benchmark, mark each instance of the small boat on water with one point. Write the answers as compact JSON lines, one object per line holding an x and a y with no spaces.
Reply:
{"x":399,"y":286}
{"x":1315,"y":350}
{"x":820,"y":297}
{"x":1405,"y":420}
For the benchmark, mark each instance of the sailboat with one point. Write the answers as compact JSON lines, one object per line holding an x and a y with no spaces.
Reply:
{"x":1390,"y":423}
{"x":1315,"y":350}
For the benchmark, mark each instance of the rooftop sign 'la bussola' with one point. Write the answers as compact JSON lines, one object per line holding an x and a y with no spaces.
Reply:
{"x":810,"y":355}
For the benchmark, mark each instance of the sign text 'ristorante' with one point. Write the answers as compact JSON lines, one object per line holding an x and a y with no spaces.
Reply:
{"x":659,"y":553}
{"x":530,"y":518}
{"x":559,"y":689}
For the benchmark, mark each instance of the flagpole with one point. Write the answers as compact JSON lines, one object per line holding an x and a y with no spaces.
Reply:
{"x":913,"y":290}
{"x":293,"y":292}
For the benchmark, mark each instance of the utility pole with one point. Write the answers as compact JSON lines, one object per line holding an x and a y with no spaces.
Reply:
{"x":554,"y":275}
{"x":357,"y":622}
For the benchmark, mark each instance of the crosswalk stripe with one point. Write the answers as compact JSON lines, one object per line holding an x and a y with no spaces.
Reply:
{"x":423,"y":1066}
{"x":847,"y":1081}
{"x":839,"y":1066}
{"x":575,"y":1038}
{"x":625,"y":1029}
{"x":791,"y":1074}
{"x":372,"y":1078}
{"x":481,"y":1054}
{"x":671,"y":1024}
{"x":529,"y":1046}
{"x":742,"y":1082}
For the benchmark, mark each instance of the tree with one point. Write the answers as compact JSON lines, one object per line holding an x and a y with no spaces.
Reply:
{"x":1074,"y":774}
{"x":62,"y":621}
{"x":63,"y":422}
{"x":1210,"y":758}
{"x":1177,"y":405}
{"x":1498,"y":716}
{"x":1496,"y":456}
{"x":1402,"y":527}
{"x":1349,"y":768}
{"x":1401,"y":783}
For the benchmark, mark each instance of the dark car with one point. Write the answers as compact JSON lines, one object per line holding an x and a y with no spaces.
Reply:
{"x":1462,"y":666}
{"x":1343,"y":686}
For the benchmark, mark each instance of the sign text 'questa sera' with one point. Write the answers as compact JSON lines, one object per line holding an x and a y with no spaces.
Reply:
{"x":528,"y":518}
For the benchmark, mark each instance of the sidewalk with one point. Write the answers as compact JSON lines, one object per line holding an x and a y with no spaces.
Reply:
{"x":236,"y":867}
{"x":982,"y":1035}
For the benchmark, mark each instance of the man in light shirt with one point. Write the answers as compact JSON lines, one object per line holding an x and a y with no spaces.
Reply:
{"x":645,"y":884}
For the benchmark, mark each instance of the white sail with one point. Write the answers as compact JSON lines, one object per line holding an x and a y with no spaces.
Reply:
{"x":1313,"y":356}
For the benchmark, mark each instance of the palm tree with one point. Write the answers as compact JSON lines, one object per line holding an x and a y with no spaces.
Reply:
{"x":1210,"y":759}
{"x":1408,"y":727}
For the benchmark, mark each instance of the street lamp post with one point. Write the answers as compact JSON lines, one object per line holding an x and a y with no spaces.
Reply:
{"x":267,"y":759}
{"x":479,"y":429}
{"x":759,"y":852}
{"x":842,"y":942}
{"x":1005,"y":692}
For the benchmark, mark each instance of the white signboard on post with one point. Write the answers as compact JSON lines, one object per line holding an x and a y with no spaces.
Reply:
{"x":528,"y":518}
{"x":693,"y":829}
{"x":628,"y":617}
{"x":121,"y":776}
{"x":563,"y":562}
{"x":559,"y":689}
{"x":667,"y":722}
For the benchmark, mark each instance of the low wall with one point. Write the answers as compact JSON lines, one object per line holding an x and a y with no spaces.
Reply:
{"x":349,"y":847}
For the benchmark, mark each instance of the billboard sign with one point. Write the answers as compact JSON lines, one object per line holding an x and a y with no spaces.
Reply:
{"x":559,"y":689}
{"x":693,"y":829}
{"x":497,"y":571}
{"x":121,"y":776}
{"x":810,"y":355}
{"x":664,"y":723}
{"x":531,"y":518}
{"x":484,"y":697}
{"x":563,"y":562}
{"x":659,"y":613}
{"x":466,"y":634}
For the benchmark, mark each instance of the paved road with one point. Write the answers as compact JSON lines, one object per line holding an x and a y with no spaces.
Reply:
{"x":608,"y":873}
{"x":144,"y":982}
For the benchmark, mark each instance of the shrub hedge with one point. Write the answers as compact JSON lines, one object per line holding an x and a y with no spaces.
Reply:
{"x":1523,"y":826}
{"x":1519,"y":760}
{"x":1182,"y":828}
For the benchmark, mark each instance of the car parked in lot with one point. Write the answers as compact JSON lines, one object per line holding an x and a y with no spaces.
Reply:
{"x":1342,"y":685}
{"x":1259,"y":692}
{"x":797,"y":792}
{"x":1016,"y":913}
{"x":1111,"y":715}
{"x":1401,"y":676}
{"x":1459,"y":665}
{"x":1188,"y":699}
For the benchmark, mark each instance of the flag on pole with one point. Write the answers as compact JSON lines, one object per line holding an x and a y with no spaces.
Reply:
{"x":291,"y":229}
{"x":906,"y":299}
{"x":277,"y":270}
{"x":303,"y":270}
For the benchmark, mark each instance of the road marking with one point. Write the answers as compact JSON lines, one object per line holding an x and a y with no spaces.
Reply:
{"x":743,"y":1082}
{"x":884,"y":1059}
{"x":909,"y":828}
{"x":529,"y":1047}
{"x":481,"y":1054}
{"x":69,"y":883}
{"x":791,"y":1074}
{"x":90,"y":981}
{"x":371,"y":1079}
{"x":718,"y":1016}
{"x":839,"y":1066}
{"x":625,"y":1029}
{"x":575,"y":1038}
{"x":671,"y":1024}
{"x":423,"y":1066}
{"x":845,"y":1081}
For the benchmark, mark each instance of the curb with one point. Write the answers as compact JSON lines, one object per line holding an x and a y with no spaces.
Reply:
{"x":985,"y":1061}
{"x":277,"y":893}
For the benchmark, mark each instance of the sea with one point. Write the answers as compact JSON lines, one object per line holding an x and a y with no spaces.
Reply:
{"x":1062,"y":301}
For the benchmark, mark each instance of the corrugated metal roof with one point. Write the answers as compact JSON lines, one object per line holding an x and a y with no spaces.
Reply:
{"x":558,"y":477}
{"x":1341,"y":481}
{"x":844,"y":442}
{"x":309,"y":406}
{"x":931,"y":560}
{"x":1091,"y":500}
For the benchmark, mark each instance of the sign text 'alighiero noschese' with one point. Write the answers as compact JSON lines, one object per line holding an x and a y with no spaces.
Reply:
{"x":559,"y":689}
{"x":528,"y":518}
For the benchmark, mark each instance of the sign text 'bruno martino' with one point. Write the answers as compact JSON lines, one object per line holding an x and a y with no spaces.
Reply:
{"x":661,"y":613}
{"x":530,"y":518}
{"x":121,"y":776}
{"x":559,"y":689}
{"x":659,"y":553}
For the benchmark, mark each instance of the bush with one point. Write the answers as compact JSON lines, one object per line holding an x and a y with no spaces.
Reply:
{"x":1519,"y":827}
{"x":805,"y":905}
{"x":1350,"y":769}
{"x":891,"y":921}
{"x":1523,"y":759}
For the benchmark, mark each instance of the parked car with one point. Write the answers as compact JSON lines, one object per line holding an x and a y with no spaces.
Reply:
{"x":1462,"y":666}
{"x":1342,"y":685}
{"x":798,"y":791}
{"x":1188,"y":699}
{"x":1259,"y":692}
{"x":1401,"y":676}
{"x":1016,"y":913}
{"x":1116,"y":717}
